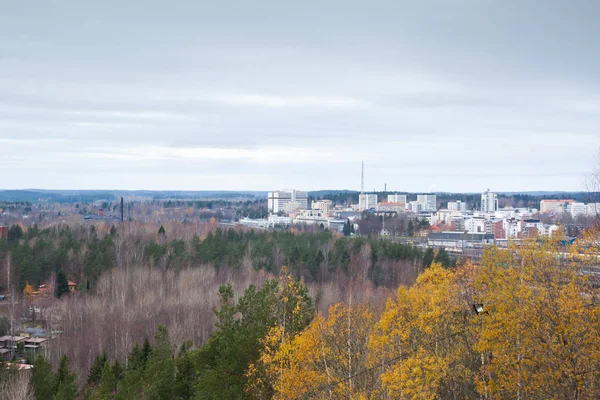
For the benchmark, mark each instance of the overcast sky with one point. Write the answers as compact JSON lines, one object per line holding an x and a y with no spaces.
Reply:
{"x":445,"y":95}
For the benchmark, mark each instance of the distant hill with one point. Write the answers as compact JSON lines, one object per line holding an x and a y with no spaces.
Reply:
{"x":75,"y":196}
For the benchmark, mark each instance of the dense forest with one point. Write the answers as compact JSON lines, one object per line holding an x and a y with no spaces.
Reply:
{"x":84,"y":253}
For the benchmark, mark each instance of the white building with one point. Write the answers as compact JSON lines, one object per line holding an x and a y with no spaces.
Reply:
{"x":391,"y":207}
{"x":554,"y":206}
{"x":512,"y":228}
{"x":447,"y":216}
{"x":366,"y":201}
{"x":489,"y":202}
{"x":414,"y":206}
{"x":576,"y":209}
{"x":475,"y":225}
{"x":428,"y":202}
{"x":324,"y":205}
{"x":396,"y":198}
{"x":457,"y":206}
{"x":277,"y":200}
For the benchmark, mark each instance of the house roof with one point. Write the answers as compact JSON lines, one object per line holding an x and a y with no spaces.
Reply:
{"x":71,"y":283}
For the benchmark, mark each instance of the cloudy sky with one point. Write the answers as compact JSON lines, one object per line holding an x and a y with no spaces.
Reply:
{"x":256,"y":95}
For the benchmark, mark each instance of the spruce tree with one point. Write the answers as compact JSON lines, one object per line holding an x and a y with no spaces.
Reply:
{"x":66,"y":386}
{"x":62,"y":284}
{"x":159,"y":375}
{"x":96,"y":369}
{"x":107,"y":385}
{"x":428,"y":257}
{"x":43,"y":380}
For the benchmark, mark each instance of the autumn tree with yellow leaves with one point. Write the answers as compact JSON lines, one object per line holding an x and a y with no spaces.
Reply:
{"x":538,"y":336}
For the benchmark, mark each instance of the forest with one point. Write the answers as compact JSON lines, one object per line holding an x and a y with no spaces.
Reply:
{"x":523,"y":324}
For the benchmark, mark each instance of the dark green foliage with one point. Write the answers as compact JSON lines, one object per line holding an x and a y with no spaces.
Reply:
{"x":159,"y":375}
{"x":43,"y":380}
{"x":428,"y":257}
{"x":185,"y":375}
{"x":161,"y":230}
{"x":66,"y":386}
{"x":107,"y":385}
{"x":15,"y":233}
{"x":442,"y":257}
{"x":96,"y":369}
{"x":62,"y":284}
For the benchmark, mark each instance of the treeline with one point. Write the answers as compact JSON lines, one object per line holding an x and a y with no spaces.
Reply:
{"x":524,"y":324}
{"x":83,"y":253}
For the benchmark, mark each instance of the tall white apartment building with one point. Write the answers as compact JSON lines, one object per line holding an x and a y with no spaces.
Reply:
{"x":489,"y":202}
{"x":396,"y":198}
{"x":366,"y":201}
{"x":428,"y":202}
{"x":278,"y":200}
{"x":576,"y":209}
{"x":457,"y":206}
{"x":414,"y":206}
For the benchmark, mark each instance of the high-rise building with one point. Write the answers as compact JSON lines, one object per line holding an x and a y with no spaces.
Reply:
{"x":489,"y":202}
{"x":457,"y":206}
{"x":278,"y":200}
{"x":428,"y":202}
{"x":396,"y":198}
{"x":366,"y":201}
{"x":576,"y":209}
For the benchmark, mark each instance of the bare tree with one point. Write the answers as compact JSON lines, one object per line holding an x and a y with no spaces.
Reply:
{"x":16,"y":387}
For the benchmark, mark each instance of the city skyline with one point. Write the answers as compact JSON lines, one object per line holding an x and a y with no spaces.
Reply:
{"x":194,"y":96}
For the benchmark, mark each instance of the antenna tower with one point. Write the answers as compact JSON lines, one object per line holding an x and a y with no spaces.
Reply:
{"x":362,"y":178}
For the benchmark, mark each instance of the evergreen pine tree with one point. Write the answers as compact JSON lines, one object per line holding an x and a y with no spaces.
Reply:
{"x":428,"y":257}
{"x":66,"y":387}
{"x":107,"y":385}
{"x":62,"y":284}
{"x":43,"y":380}
{"x":96,"y":369}
{"x":159,"y":375}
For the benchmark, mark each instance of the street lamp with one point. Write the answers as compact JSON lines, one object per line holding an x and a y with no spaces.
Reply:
{"x":478,"y":308}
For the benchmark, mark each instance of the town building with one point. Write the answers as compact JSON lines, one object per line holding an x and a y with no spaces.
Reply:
{"x":367,"y":201}
{"x":457,"y":240}
{"x":324,"y":205}
{"x":576,"y":209}
{"x":414,"y":206}
{"x":495,"y":226}
{"x":277,"y":200}
{"x":532,"y":227}
{"x":396,"y":198}
{"x":428,"y":202}
{"x":389,"y":207}
{"x":4,"y":232}
{"x":554,"y":206}
{"x":489,"y":202}
{"x":475,"y":225}
{"x":457,"y":206}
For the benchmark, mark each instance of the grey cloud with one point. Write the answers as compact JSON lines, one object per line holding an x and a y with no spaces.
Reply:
{"x":458,"y":95}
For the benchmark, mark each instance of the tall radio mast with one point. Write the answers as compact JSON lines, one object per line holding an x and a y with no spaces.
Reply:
{"x":362,"y":178}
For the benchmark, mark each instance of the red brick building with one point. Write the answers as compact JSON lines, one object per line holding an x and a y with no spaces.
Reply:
{"x":3,"y":232}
